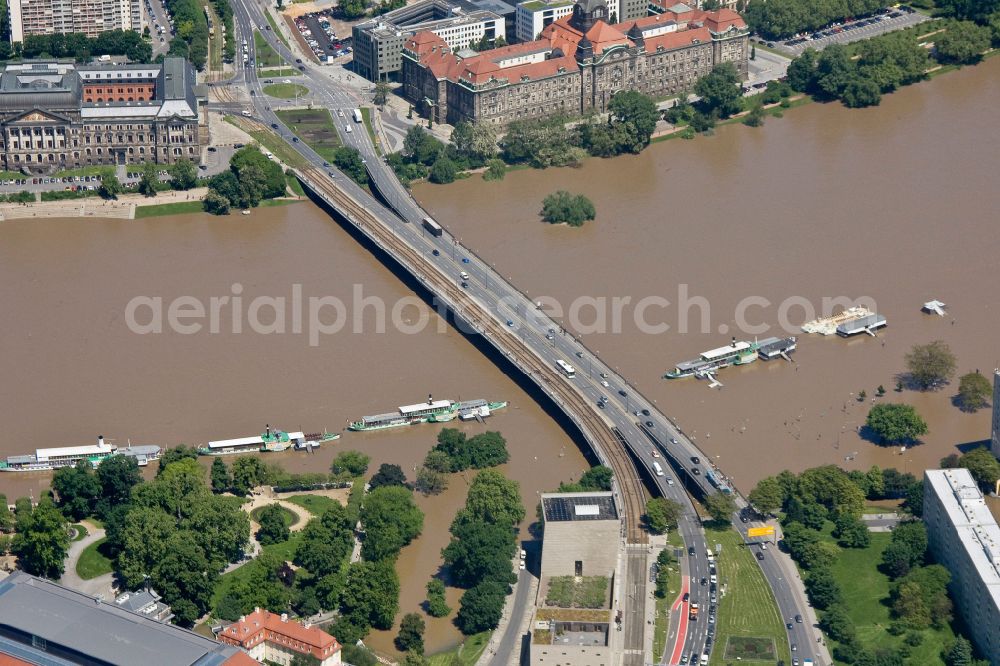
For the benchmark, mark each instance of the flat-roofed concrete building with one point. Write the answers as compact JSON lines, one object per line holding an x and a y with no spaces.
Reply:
{"x":58,"y":115}
{"x":964,"y":537}
{"x":91,"y":17}
{"x":45,"y":624}
{"x":533,"y":15}
{"x":582,"y":533}
{"x":378,"y":43}
{"x":995,"y":439}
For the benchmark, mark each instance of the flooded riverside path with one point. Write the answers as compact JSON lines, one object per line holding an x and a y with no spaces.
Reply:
{"x":897,"y":203}
{"x":72,"y":369}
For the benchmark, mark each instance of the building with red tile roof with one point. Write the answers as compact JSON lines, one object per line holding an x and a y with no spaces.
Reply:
{"x":575,"y":66}
{"x":268,"y":636}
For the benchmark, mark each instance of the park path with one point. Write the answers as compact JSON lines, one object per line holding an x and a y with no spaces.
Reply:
{"x":102,"y":585}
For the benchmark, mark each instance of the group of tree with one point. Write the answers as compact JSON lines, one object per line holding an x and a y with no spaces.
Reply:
{"x":424,"y":156}
{"x":482,"y":546}
{"x":980,"y":462}
{"x":41,"y":539}
{"x":974,"y":392}
{"x":662,"y":514}
{"x":273,"y":521}
{"x":348,"y":159}
{"x":388,"y":475}
{"x":779,"y":19}
{"x":663,"y":563}
{"x":631,"y":120}
{"x":895,"y":423}
{"x":191,"y":35}
{"x":437,"y":604}
{"x":249,"y":472}
{"x":251,"y":177}
{"x":183,"y":176}
{"x":454,"y":452}
{"x":78,"y":46}
{"x":596,"y":479}
{"x":562,"y":207}
{"x":390,"y":520}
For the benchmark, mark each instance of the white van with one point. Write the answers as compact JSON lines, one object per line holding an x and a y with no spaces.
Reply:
{"x":347,"y":128}
{"x":658,"y":469}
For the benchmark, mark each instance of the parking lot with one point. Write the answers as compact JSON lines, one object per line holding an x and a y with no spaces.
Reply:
{"x":851,"y":31}
{"x":318,"y":31}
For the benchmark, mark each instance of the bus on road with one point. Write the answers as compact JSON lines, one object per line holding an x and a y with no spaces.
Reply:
{"x":566,"y":368}
{"x":357,"y":116}
{"x":433,"y":227}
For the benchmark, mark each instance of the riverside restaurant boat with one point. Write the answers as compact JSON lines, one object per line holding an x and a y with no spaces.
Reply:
{"x":829,"y":325}
{"x":44,"y":460}
{"x":737,"y":353}
{"x":432,"y":411}
{"x":268,"y":441}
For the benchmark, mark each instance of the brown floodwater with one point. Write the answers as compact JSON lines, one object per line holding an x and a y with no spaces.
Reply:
{"x":897,"y":203}
{"x":72,"y":368}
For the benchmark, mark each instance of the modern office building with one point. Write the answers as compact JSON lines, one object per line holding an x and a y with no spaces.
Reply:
{"x":45,"y":624}
{"x":378,"y":43}
{"x":533,"y":15}
{"x":276,"y":639}
{"x":59,"y":115}
{"x":995,"y":439}
{"x":582,"y":531}
{"x":91,"y":17}
{"x":963,"y":536}
{"x":575,"y":67}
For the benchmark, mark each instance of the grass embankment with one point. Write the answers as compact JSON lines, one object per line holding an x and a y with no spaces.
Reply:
{"x":93,"y":562}
{"x":662,"y":622}
{"x":266,"y":56}
{"x":866,"y":592}
{"x":285,"y":90}
{"x":278,"y":71}
{"x":79,"y":532}
{"x":176,"y":208}
{"x":315,"y":128}
{"x":269,"y":141}
{"x":317,"y":505}
{"x":747,"y":610}
{"x":466,"y":654}
{"x":274,"y":28}
{"x":366,"y":115}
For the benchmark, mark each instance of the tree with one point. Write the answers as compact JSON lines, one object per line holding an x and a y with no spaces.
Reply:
{"x":720,"y":506}
{"x":802,"y":71}
{"x":896,"y":423}
{"x":962,"y":43}
{"x":430,"y":482}
{"x":371,"y":595}
{"x":421,"y":146}
{"x":475,"y":141}
{"x":437,"y":606}
{"x":325,"y":542}
{"x":930,"y":365}
{"x":481,"y":607}
{"x":767,"y":496}
{"x":837,"y":623}
{"x":960,"y":653}
{"x":756,"y":116}
{"x":479,"y":551}
{"x":118,"y":475}
{"x":597,"y":478}
{"x":273,"y":525}
{"x":358,"y":655}
{"x":215,"y":203}
{"x":142,"y":543}
{"x":248,"y":472}
{"x":444,"y":170}
{"x":720,"y":90}
{"x":822,"y":588}
{"x":495,"y":170}
{"x":110,"y":187}
{"x":183,"y":174}
{"x":974,"y":392}
{"x":351,"y":463}
{"x":906,"y":550}
{"x":388,"y":475}
{"x":391,"y":520}
{"x":561,"y":207}
{"x":41,"y":540}
{"x":493,"y":498}
{"x":77,"y":488}
{"x":860,"y":92}
{"x":638,"y":114}
{"x":175,"y":454}
{"x":148,"y":180}
{"x":851,"y":532}
{"x":382,"y":91}
{"x":438,"y":459}
{"x":221,"y":481}
{"x":983,"y":466}
{"x":219,"y":526}
{"x":662,"y":514}
{"x":411,"y":634}
{"x":185,"y":579}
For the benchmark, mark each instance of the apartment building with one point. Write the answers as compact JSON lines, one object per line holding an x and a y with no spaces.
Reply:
{"x":91,"y":17}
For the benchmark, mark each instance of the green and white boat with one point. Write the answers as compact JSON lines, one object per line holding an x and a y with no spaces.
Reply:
{"x":267,"y":442}
{"x":737,"y":353}
{"x":431,"y":411}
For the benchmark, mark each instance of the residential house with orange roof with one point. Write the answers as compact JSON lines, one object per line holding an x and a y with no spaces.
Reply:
{"x":575,"y":67}
{"x":275,"y":638}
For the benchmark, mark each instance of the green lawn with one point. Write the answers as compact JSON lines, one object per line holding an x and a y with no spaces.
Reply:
{"x":176,"y":208}
{"x":662,"y":622}
{"x":314,"y":127}
{"x":278,"y":72}
{"x":748,"y":609}
{"x":79,"y":532}
{"x":294,"y":185}
{"x":274,"y":28}
{"x":366,"y":114}
{"x":289,"y":517}
{"x":93,"y":562}
{"x":466,"y":654}
{"x":865,"y":588}
{"x":266,"y":56}
{"x":317,"y":505}
{"x":269,"y":141}
{"x":285,"y":90}
{"x":87,"y":171}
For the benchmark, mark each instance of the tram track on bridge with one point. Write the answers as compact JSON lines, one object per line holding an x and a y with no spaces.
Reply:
{"x":607,"y":441}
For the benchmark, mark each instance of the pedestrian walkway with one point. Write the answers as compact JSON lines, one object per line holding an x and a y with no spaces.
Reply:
{"x":100,"y":586}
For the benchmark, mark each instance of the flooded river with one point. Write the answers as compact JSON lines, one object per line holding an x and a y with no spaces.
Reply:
{"x":896,"y":203}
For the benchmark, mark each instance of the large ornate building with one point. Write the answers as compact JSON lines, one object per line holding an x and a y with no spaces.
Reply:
{"x":59,"y":115}
{"x":575,"y":66}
